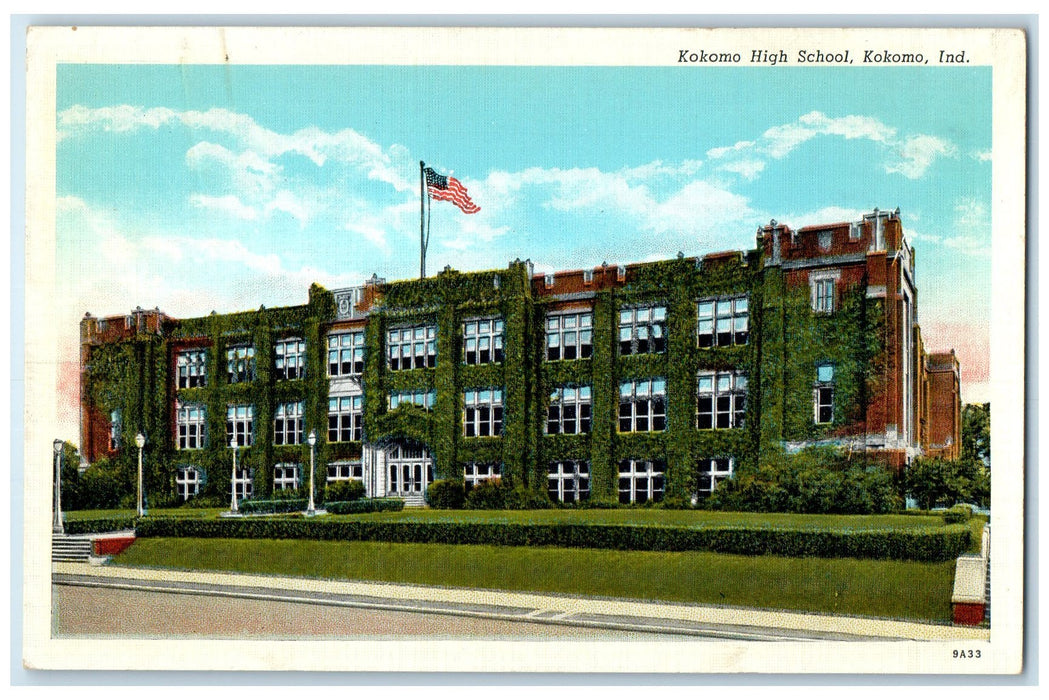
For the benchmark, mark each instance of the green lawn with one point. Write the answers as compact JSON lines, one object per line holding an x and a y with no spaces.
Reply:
{"x":907,"y":590}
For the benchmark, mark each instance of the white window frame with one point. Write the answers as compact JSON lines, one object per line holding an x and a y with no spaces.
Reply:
{"x":116,"y":425}
{"x":240,"y":424}
{"x":345,"y":471}
{"x":483,"y":412}
{"x":409,"y":469}
{"x":420,"y":398}
{"x":244,"y":482}
{"x":289,"y":358}
{"x":639,"y":404}
{"x":191,"y":420}
{"x":723,"y":321}
{"x":192,"y":367}
{"x":712,"y":471}
{"x":727,"y":395}
{"x":646,"y":480}
{"x":287,"y":423}
{"x":187,"y":482}
{"x":823,"y":394}
{"x":569,"y":335}
{"x":643,"y":330}
{"x":476,"y":472}
{"x":569,"y":398}
{"x":823,"y":287}
{"x":416,"y":343}
{"x":480,"y":336}
{"x":346,"y":416}
{"x":287,"y":476}
{"x":240,"y":364}
{"x":346,"y":354}
{"x":568,"y":481}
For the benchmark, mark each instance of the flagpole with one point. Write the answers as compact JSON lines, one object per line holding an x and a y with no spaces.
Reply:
{"x":422,"y":219}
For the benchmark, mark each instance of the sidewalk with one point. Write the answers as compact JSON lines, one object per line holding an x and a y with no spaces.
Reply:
{"x":679,"y":618}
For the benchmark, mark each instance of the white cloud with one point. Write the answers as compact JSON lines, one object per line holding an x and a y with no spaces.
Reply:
{"x":230,"y":205}
{"x":910,"y":156}
{"x":982,"y":156}
{"x":917,"y":153}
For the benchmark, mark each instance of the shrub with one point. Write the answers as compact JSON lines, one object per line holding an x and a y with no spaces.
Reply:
{"x":364,"y":505}
{"x":83,"y":527}
{"x":203,"y":501}
{"x":282,"y":505}
{"x":816,"y":480}
{"x":446,"y":494}
{"x":349,"y":490}
{"x":958,"y":514}
{"x":489,"y":494}
{"x":105,"y":484}
{"x":522,"y":498}
{"x":675,"y":503}
{"x":939,"y":544}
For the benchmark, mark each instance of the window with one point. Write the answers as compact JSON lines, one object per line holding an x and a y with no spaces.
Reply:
{"x":722,"y":400}
{"x":191,"y":366}
{"x":344,"y":471}
{"x":285,"y":477}
{"x":640,"y":481}
{"x":568,"y":481}
{"x":483,"y":415}
{"x":569,"y":336}
{"x":115,"y":427}
{"x":483,"y":341}
{"x":244,"y":483}
{"x":474,"y":473}
{"x":413,"y":397}
{"x":346,"y":354}
{"x":822,"y":284}
{"x":642,"y":330}
{"x":412,"y":348}
{"x":345,"y":418}
{"x":409,"y":468}
{"x":187,"y":482}
{"x":823,"y":394}
{"x":191,"y":420}
{"x":290,"y":358}
{"x":287,"y":424}
{"x":643,"y":405}
{"x":823,"y":296}
{"x":712,"y":472}
{"x":240,"y":364}
{"x":240,"y":426}
{"x":569,"y":410}
{"x":723,"y":322}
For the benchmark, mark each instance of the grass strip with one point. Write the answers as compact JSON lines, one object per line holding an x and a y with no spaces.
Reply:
{"x":892,"y":589}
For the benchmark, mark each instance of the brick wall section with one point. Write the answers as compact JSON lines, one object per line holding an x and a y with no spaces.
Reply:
{"x":944,"y":408}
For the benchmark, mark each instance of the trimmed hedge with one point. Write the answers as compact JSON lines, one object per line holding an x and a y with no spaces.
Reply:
{"x":364,"y":505}
{"x":283,"y":505}
{"x":935,"y":545}
{"x":83,"y":527}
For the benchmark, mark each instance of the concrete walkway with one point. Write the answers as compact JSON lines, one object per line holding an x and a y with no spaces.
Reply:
{"x":633,"y":615}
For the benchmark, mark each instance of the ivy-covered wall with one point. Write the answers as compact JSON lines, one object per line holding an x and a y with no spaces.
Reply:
{"x":786,"y":340}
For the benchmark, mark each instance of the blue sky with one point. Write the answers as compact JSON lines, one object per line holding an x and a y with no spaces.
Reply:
{"x":195,"y":188}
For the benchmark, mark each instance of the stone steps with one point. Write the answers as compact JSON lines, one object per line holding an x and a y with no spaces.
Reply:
{"x":66,"y":548}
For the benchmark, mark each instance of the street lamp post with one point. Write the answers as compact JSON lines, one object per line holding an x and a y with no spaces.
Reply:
{"x":233,"y":480}
{"x":312,"y":440}
{"x":140,"y":442}
{"x":57,"y":527}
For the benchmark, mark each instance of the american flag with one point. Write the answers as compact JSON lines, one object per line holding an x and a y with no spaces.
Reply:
{"x":450,"y":190}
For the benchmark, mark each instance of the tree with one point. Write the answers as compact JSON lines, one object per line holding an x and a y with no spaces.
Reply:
{"x":976,"y":433}
{"x":941,"y":482}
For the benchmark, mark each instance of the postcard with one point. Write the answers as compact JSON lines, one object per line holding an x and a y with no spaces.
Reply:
{"x":575,"y":350}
